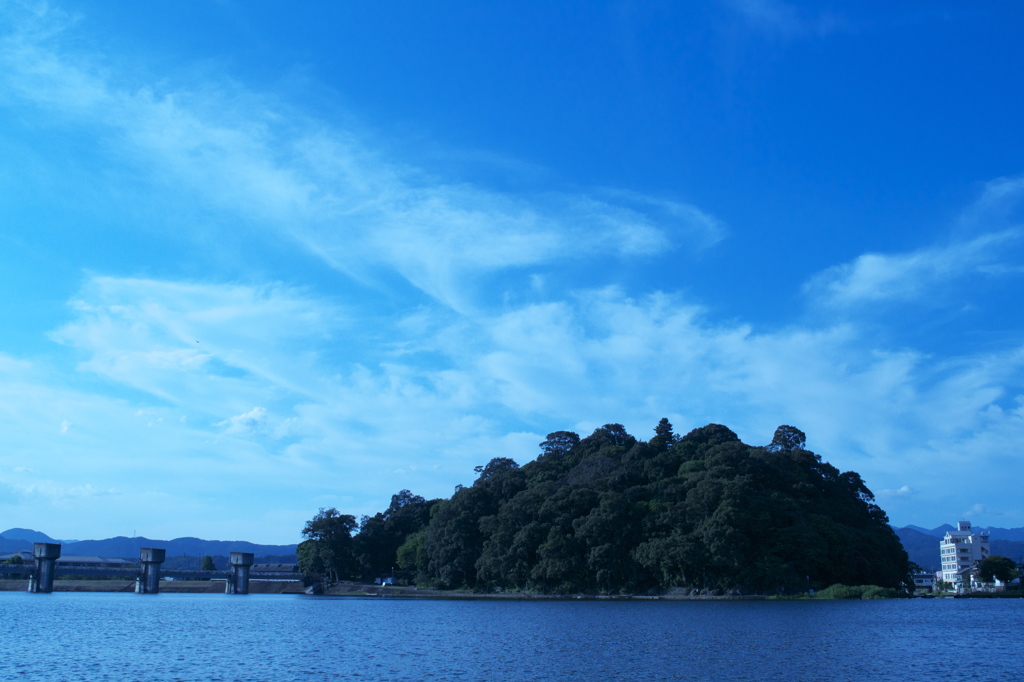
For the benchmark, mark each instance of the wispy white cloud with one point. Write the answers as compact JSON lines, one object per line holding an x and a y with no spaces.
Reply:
{"x":11,"y":367}
{"x":63,"y":494}
{"x":321,"y":186}
{"x":255,"y":421}
{"x":767,"y":14}
{"x":117,"y":461}
{"x":902,"y":491}
{"x":785,"y":19}
{"x":1000,"y":203}
{"x":183,"y":340}
{"x":864,"y":407}
{"x":989,"y":243}
{"x":598,"y":356}
{"x":883,"y":278}
{"x":979,"y":509}
{"x":319,"y":417}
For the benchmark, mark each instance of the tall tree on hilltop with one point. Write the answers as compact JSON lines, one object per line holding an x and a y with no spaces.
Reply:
{"x":327,"y":549}
{"x":559,"y":443}
{"x":786,"y":439}
{"x":664,"y":437}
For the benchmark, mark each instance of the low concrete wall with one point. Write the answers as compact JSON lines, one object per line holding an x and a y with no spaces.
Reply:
{"x":169,"y":586}
{"x":13,"y":585}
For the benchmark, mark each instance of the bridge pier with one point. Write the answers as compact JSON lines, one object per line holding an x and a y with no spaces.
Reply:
{"x":149,"y":581}
{"x":238,"y":579}
{"x":41,"y":578}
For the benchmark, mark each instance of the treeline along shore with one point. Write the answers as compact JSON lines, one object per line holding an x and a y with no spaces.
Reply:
{"x":701,"y":514}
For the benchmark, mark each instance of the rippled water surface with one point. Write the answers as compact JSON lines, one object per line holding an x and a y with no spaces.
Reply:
{"x":128,"y":637}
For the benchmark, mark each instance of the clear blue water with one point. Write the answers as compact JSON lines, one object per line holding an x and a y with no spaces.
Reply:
{"x":128,"y":637}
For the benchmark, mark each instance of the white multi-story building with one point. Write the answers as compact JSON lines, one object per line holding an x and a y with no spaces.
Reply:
{"x":961,"y":549}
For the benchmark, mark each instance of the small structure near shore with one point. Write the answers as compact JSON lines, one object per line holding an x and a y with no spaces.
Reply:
{"x":45,"y":566}
{"x":961,"y":550}
{"x":45,"y":555}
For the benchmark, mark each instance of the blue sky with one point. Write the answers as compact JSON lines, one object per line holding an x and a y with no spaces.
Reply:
{"x":259,"y":261}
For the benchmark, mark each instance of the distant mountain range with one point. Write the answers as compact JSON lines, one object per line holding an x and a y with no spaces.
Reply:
{"x":29,"y":535}
{"x":1014,"y":534}
{"x":15,"y":539}
{"x":922,"y":544}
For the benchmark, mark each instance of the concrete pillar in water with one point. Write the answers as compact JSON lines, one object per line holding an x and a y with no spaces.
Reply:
{"x":149,"y":581}
{"x":238,"y":580}
{"x":46,"y":555}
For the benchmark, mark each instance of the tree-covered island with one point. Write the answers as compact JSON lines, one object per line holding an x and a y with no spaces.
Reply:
{"x":612,"y":514}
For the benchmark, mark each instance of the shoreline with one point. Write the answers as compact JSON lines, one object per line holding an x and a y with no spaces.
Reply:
{"x":392,"y":592}
{"x":355,"y":590}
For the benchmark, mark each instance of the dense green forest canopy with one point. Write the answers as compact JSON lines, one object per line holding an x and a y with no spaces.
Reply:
{"x":612,"y":514}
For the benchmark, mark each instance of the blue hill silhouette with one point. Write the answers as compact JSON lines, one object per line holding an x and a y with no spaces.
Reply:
{"x":128,"y":548}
